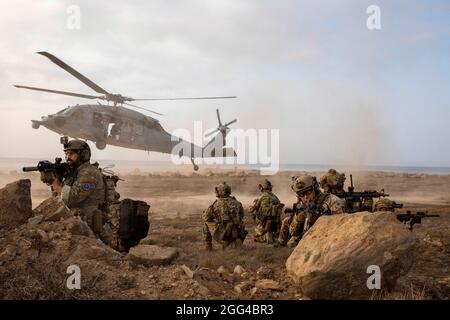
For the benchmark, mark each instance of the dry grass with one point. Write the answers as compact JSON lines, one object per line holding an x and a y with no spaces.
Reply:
{"x":411,"y":293}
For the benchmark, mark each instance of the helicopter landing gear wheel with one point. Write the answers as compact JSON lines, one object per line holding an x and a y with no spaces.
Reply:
{"x":101,"y":144}
{"x":195,"y":166}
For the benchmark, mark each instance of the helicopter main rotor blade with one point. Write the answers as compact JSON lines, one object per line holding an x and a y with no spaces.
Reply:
{"x":227,"y":124}
{"x":73,"y":72}
{"x":80,"y":95}
{"x":132,"y":105}
{"x":193,"y":98}
{"x":218,"y":117}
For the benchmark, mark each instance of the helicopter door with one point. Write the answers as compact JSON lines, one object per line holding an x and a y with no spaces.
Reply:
{"x":100,"y":124}
{"x":114,"y":130}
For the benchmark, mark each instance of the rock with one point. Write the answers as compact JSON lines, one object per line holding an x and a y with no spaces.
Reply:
{"x":264,"y":272}
{"x":8,"y":254}
{"x":51,"y":235}
{"x":15,"y":204}
{"x":78,"y":227}
{"x":36,"y":220}
{"x":239,"y":270}
{"x":53,"y":209}
{"x":221,"y":269}
{"x":204,"y":291}
{"x":150,"y":255}
{"x":332,"y":259}
{"x":43,"y":235}
{"x":187,"y":271}
{"x":243,"y":286}
{"x":268,"y":284}
{"x":146,"y":240}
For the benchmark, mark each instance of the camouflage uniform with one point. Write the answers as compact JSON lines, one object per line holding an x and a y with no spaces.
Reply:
{"x":385,"y":204}
{"x":84,"y":194}
{"x":332,"y":182}
{"x":223,"y":220}
{"x":295,"y":224}
{"x":266,"y":211}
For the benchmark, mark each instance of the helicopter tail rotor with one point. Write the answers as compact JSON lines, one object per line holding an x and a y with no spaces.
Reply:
{"x":222,"y":128}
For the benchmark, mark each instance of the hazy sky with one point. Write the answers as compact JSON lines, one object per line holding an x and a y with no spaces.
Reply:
{"x":338,"y":92}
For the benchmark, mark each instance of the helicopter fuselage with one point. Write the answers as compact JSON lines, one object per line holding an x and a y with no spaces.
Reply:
{"x":113,"y":125}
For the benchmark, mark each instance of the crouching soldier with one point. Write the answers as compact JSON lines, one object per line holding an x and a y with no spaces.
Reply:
{"x":311,"y":204}
{"x":266,"y":211}
{"x":223,"y":220}
{"x":83,"y":191}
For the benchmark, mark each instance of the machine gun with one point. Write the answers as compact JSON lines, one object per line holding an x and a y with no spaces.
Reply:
{"x":59,"y":169}
{"x":351,"y":196}
{"x":410,"y":219}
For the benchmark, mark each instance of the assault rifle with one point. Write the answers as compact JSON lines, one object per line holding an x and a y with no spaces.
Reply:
{"x":59,"y":169}
{"x":410,"y":219}
{"x":351,"y":196}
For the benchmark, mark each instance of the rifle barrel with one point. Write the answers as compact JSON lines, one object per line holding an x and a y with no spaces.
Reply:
{"x":29,"y":169}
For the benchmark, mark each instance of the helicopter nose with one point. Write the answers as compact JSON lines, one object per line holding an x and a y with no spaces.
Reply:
{"x":52,"y":119}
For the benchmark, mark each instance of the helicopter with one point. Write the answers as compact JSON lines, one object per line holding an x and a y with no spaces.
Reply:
{"x":116,"y":125}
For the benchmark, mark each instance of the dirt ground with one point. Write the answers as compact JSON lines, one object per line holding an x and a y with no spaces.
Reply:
{"x":177,"y":201}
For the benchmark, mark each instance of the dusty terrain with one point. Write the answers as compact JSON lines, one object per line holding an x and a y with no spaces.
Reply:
{"x":177,"y":201}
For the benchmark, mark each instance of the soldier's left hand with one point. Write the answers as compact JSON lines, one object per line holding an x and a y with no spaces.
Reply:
{"x":47,"y":177}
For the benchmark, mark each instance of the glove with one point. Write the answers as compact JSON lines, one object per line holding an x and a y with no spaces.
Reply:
{"x":47,"y":177}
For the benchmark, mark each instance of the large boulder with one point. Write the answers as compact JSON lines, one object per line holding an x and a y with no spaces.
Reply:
{"x":15,"y":204}
{"x":332,"y":259}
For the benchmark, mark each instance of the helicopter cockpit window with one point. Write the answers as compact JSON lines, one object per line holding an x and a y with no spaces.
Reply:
{"x":78,"y":114}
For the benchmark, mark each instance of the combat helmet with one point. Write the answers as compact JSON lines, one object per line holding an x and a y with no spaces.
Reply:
{"x":332,"y":179}
{"x":385,"y":204}
{"x":266,"y":185}
{"x":223,"y":190}
{"x":303,"y":184}
{"x":79,"y":146}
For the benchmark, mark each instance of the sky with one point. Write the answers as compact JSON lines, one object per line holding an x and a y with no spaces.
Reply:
{"x":338,"y":92}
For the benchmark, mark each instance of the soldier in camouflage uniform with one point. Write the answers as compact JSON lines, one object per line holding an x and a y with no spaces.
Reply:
{"x":385,"y":204}
{"x":266,"y":211}
{"x":332,"y":182}
{"x":84,"y":191}
{"x":223,"y":220}
{"x":311,"y":204}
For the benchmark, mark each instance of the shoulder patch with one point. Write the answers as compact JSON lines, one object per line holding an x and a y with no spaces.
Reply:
{"x":86,"y":186}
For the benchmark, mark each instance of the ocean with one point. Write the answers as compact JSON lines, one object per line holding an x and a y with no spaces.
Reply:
{"x":16,"y":164}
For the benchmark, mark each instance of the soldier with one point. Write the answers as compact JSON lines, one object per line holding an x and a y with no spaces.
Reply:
{"x":83,"y":192}
{"x":386,"y":204}
{"x":311,"y":204}
{"x":266,"y":211}
{"x":332,"y":182}
{"x":223,"y":220}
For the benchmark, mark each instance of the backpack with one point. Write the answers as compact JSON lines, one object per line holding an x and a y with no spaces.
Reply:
{"x":133,"y":221}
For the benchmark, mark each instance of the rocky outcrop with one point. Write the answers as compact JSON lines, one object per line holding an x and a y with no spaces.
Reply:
{"x":333,"y":259}
{"x":15,"y":204}
{"x":52,"y":209}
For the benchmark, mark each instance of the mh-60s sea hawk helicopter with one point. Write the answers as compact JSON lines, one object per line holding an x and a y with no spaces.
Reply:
{"x":120,"y":126}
